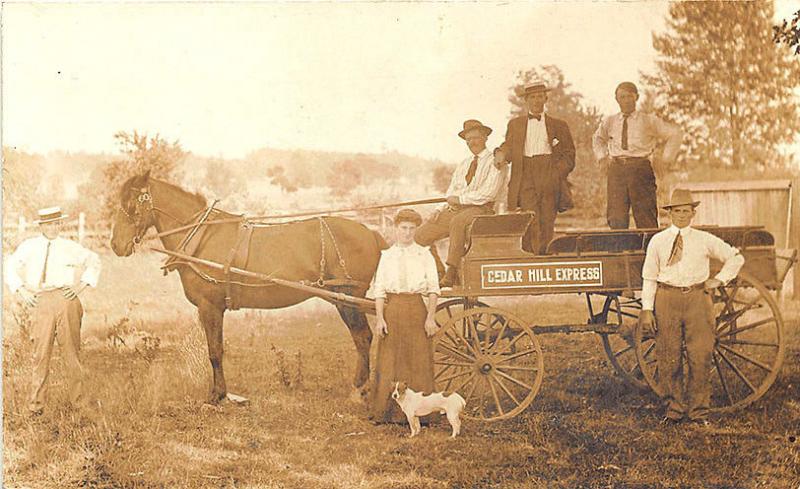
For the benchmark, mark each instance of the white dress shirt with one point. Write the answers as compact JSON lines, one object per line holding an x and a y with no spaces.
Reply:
{"x":536,"y":142}
{"x":486,"y":185}
{"x":406,"y":270}
{"x":68,"y":263}
{"x":645,"y":131}
{"x":693,"y":268}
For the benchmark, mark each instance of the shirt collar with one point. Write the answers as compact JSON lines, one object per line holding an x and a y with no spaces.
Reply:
{"x":631,"y":116}
{"x":674,"y":230}
{"x":481,"y":156}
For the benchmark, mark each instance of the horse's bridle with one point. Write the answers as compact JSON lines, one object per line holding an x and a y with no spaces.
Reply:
{"x":144,"y":207}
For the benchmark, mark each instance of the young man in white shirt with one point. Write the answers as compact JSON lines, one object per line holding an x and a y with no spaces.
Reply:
{"x":627,"y":141}
{"x":473,"y":190}
{"x":49,"y":273}
{"x":676,"y":283}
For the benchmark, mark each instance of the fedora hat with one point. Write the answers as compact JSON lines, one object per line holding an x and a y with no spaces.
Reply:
{"x":474,"y":124}
{"x":681,"y":196}
{"x":50,"y":214}
{"x":535,"y":86}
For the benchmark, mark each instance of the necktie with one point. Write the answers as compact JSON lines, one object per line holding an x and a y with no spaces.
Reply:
{"x":44,"y":268}
{"x":677,"y":250}
{"x":625,"y":131}
{"x":473,"y":167}
{"x":537,"y":117}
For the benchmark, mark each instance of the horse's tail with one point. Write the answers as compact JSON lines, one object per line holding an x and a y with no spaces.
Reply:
{"x":379,"y":241}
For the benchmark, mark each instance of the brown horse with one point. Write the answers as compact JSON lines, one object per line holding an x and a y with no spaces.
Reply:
{"x":292,"y":251}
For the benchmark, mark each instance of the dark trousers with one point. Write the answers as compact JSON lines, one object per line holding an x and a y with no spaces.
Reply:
{"x":685,"y":317}
{"x":453,"y":222}
{"x":539,"y":193}
{"x":631,"y":185}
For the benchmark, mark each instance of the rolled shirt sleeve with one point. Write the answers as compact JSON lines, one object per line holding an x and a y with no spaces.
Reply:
{"x":11,"y":270}
{"x":92,"y":266}
{"x":732,"y":260}
{"x":649,"y":276}
{"x":379,"y":283}
{"x":431,"y":275}
{"x":487,"y":188}
{"x":670,"y":133}
{"x":600,"y":140}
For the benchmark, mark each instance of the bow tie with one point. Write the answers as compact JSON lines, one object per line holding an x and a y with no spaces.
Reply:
{"x":537,"y":117}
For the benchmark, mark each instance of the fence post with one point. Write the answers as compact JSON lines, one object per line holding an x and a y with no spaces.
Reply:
{"x":81,"y":227}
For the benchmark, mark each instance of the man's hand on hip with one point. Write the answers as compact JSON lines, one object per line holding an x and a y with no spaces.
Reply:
{"x":29,"y":297}
{"x":72,"y":292}
{"x":500,"y":159}
{"x":712,"y":284}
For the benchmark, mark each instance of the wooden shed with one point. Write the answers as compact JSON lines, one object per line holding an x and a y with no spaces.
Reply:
{"x":769,"y":203}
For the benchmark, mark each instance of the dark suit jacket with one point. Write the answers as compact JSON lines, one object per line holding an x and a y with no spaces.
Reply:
{"x":563,"y":154}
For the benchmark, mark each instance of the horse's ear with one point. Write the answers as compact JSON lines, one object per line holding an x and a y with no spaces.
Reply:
{"x":146,"y":176}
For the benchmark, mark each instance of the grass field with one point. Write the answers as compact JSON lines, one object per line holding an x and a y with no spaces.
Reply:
{"x":151,"y":429}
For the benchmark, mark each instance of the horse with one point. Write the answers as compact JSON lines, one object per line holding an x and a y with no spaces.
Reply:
{"x":334,"y":253}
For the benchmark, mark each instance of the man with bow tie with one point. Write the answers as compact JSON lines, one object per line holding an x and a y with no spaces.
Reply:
{"x":675,"y":282}
{"x":49,"y":273}
{"x":473,"y":190}
{"x":542,"y":155}
{"x":627,"y":141}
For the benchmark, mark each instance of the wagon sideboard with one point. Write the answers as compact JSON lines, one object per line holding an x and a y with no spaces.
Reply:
{"x":599,"y":261}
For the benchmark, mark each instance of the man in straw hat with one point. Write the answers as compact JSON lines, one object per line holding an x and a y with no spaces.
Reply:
{"x":627,"y":140}
{"x":473,"y":191}
{"x":49,"y":273}
{"x":676,"y":280}
{"x":542,"y":155}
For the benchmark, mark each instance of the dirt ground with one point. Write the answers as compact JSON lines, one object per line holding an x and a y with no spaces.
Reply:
{"x":150,"y":428}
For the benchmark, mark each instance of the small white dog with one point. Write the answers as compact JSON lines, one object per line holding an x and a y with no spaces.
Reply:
{"x":414,"y":404}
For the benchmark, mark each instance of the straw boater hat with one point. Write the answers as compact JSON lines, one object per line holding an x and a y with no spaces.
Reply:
{"x":50,"y":214}
{"x":535,"y":86}
{"x":681,"y":197}
{"x":474,"y":124}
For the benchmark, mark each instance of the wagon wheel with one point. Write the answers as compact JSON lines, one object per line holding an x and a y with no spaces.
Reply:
{"x":749,"y":347}
{"x":621,"y":353}
{"x":449,"y":308}
{"x":492,"y":359}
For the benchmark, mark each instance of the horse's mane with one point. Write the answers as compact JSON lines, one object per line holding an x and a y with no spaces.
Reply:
{"x":133,"y":184}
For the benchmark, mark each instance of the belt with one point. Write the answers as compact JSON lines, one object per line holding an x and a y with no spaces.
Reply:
{"x":630,"y":159}
{"x":682,"y":290}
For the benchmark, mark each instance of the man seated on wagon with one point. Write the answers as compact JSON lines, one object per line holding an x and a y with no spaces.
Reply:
{"x":474,"y":188}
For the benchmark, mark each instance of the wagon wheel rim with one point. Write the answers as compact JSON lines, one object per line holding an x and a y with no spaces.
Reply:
{"x":445,"y":311}
{"x":749,"y":348}
{"x":620,"y":352}
{"x":492,"y":359}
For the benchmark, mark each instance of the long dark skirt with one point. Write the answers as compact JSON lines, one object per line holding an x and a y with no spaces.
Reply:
{"x":405,"y":355}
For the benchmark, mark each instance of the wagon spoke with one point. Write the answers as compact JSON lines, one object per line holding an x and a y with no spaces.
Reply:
{"x":466,"y":342}
{"x":442,"y":371}
{"x":494,"y":395}
{"x":510,"y":344}
{"x":452,"y":377}
{"x":738,"y":372}
{"x":750,"y":343}
{"x":512,"y":379}
{"x":505,"y":389}
{"x":516,"y":355}
{"x":518,"y":367}
{"x":476,"y":340}
{"x":746,"y":358}
{"x":722,"y":379}
{"x":746,"y":328}
{"x":471,"y":390}
{"x":499,"y":334}
{"x":454,"y":364}
{"x":624,"y":350}
{"x":461,"y":385}
{"x":455,"y":352}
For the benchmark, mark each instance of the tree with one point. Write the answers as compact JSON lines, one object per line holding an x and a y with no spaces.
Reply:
{"x":564,"y":103}
{"x":141,"y":153}
{"x":722,"y":79}
{"x":788,"y":34}
{"x":442,"y":174}
{"x":343,"y":177}
{"x":222,"y":180}
{"x":22,"y":179}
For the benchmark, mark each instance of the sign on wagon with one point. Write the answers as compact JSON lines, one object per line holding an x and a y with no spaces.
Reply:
{"x":552,"y":274}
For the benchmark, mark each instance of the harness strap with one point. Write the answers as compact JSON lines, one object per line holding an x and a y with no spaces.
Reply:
{"x":187,"y":244}
{"x":237,"y":257}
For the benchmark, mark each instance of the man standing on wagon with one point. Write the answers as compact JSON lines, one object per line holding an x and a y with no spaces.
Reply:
{"x":49,"y":273}
{"x":473,"y":190}
{"x":676,"y":282}
{"x":542,"y":155}
{"x":628,"y":139}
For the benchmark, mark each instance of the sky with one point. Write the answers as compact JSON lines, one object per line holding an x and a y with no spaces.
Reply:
{"x":228,"y":78}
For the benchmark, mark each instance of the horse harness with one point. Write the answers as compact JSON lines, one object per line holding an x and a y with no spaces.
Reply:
{"x":239,"y":253}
